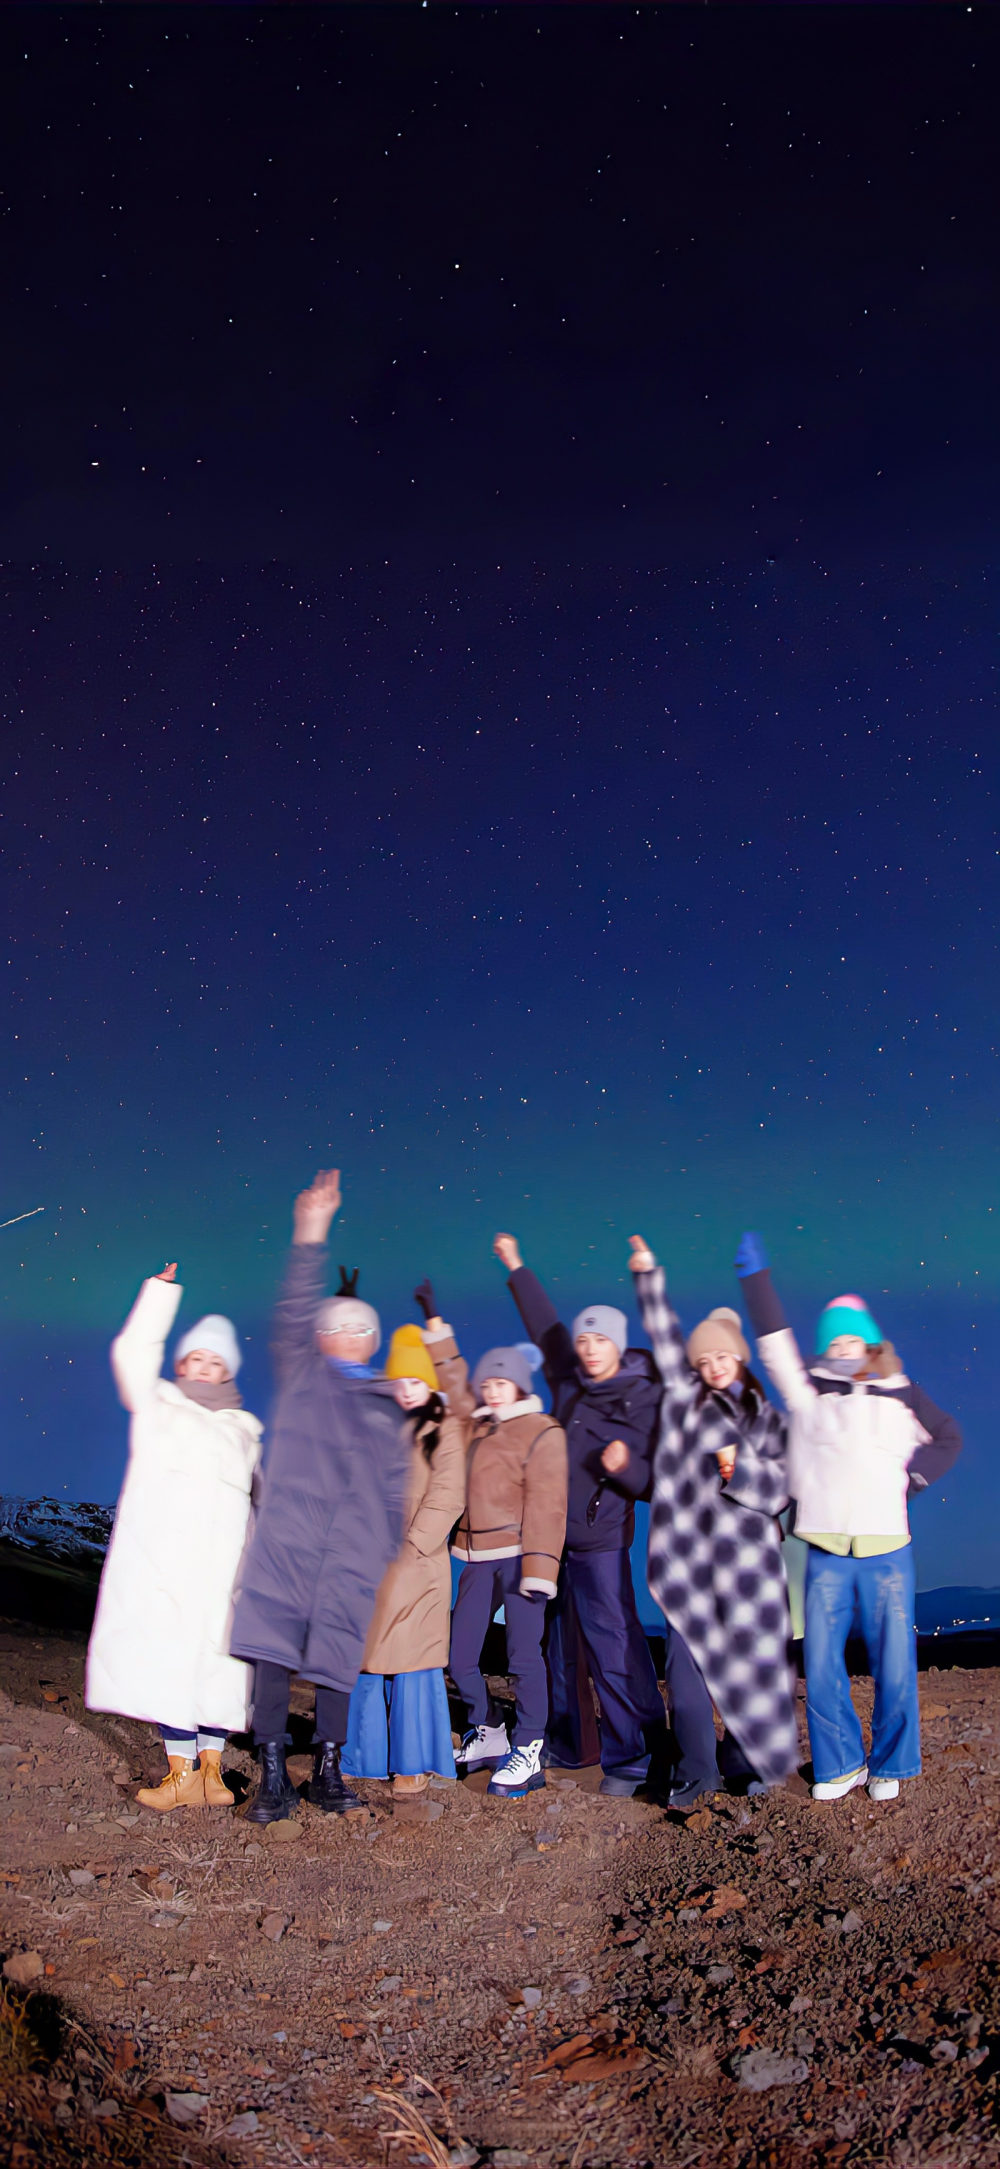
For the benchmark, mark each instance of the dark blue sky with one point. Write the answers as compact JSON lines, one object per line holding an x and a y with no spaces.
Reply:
{"x":498,"y":532}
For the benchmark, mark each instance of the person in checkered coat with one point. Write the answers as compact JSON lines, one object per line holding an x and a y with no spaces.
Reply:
{"x":715,"y":1566}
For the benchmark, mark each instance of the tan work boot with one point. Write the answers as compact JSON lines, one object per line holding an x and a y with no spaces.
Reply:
{"x":183,"y":1786}
{"x":217,"y":1793}
{"x":410,"y":1788}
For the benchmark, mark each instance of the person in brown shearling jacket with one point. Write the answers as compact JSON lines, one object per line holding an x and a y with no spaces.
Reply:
{"x":510,"y":1537}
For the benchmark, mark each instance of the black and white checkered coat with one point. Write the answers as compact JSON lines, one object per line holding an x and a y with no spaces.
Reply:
{"x":715,"y":1565}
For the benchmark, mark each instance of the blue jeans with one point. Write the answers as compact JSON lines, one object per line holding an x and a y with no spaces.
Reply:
{"x":883,"y":1591}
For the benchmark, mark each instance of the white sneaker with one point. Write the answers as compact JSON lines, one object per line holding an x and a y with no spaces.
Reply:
{"x":883,"y":1788}
{"x":837,"y":1787}
{"x":520,"y":1773}
{"x":482,"y":1748}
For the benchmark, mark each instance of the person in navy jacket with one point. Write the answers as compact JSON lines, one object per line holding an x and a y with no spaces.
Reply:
{"x":607,"y":1398}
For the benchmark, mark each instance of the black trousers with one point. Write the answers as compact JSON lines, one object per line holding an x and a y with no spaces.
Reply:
{"x":702,"y":1757}
{"x":271,"y":1689}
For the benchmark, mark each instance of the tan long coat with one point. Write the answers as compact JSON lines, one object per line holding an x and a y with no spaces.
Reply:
{"x":411,"y":1622}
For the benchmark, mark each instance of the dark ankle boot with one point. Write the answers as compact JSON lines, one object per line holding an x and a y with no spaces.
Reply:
{"x":275,"y":1800}
{"x":328,"y":1790}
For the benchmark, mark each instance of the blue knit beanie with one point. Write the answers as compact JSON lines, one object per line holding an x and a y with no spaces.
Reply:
{"x":846,"y":1314}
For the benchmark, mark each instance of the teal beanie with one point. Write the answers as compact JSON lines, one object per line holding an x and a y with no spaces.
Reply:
{"x":846,"y":1314}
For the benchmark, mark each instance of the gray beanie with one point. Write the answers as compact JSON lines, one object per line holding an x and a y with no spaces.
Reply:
{"x":347,"y":1314}
{"x":601,"y":1318}
{"x":503,"y":1363}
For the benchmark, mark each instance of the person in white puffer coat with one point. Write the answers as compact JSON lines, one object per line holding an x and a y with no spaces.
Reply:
{"x":159,"y":1650}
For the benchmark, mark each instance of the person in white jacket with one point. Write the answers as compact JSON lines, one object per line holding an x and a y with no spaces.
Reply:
{"x":159,"y":1650}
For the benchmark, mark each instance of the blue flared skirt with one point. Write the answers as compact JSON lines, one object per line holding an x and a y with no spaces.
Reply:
{"x":398,"y":1726}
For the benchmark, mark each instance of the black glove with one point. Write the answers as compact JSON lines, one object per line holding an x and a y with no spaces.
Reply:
{"x":348,"y":1281}
{"x":425,"y":1296}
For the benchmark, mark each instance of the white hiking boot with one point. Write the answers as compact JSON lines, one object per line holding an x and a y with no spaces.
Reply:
{"x":482,"y":1748}
{"x":519,"y":1773}
{"x":836,"y":1788}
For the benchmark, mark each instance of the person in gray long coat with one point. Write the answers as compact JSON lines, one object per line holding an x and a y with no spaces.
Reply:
{"x":331,"y":1517}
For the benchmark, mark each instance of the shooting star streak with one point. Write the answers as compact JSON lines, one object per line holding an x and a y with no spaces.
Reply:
{"x":22,"y":1216}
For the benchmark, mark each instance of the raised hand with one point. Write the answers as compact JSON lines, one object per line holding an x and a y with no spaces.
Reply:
{"x":505,"y":1248}
{"x":169,"y":1273}
{"x":425,"y":1296}
{"x":751,"y":1257}
{"x":315,"y":1207}
{"x":641,"y":1260}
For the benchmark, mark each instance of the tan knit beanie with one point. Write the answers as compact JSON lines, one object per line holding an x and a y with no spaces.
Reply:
{"x":720,"y":1330}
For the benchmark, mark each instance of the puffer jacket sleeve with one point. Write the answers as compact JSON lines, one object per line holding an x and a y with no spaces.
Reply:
{"x":452,"y":1373}
{"x":941,"y":1445}
{"x":137,"y":1354}
{"x":779,"y":1349}
{"x":543,"y":1521}
{"x":297,"y":1309}
{"x":444,"y":1497}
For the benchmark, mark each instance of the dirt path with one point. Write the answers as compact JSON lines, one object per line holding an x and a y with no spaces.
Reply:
{"x":583,"y":1981}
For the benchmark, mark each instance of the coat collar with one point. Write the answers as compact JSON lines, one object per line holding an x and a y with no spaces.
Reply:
{"x":531,"y":1407}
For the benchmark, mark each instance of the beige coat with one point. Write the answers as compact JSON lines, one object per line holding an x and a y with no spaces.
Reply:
{"x":411,"y":1621}
{"x":516,"y":1477}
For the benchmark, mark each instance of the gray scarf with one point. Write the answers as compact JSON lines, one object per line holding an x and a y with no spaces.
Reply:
{"x":207,"y":1395}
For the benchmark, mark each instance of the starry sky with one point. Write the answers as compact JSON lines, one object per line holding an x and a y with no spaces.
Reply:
{"x":498,"y":537}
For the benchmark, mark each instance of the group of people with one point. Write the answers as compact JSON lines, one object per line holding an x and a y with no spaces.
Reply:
{"x":225,"y":1579}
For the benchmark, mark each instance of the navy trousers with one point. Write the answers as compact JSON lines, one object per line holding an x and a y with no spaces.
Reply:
{"x":701,"y":1756}
{"x":597,"y":1598}
{"x":481,"y":1589}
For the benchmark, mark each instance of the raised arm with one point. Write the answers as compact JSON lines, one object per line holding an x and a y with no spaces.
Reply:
{"x":304,"y":1286}
{"x":779,"y":1349}
{"x":659,"y":1319}
{"x":540,"y":1317}
{"x":137,"y":1354}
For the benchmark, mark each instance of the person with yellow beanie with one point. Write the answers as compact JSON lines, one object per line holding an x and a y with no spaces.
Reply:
{"x":398,"y":1720}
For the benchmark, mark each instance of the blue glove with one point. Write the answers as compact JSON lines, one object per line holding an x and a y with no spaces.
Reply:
{"x":751,"y":1256}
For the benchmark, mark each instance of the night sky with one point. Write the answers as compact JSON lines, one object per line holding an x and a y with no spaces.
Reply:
{"x":499,"y":587}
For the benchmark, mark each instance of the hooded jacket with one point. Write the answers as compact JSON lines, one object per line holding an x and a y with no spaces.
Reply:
{"x":159,"y":1650}
{"x":858,"y":1449}
{"x":335,"y":1489}
{"x":515,"y":1478}
{"x":601,"y":1508}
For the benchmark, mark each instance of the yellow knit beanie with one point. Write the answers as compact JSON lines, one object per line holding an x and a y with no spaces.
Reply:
{"x":408,"y":1357}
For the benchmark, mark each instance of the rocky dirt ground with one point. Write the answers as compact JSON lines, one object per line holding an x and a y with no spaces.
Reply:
{"x":582,"y":1982}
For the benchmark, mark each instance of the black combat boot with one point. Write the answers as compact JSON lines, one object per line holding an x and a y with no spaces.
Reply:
{"x":328,"y":1790}
{"x":275,"y":1800}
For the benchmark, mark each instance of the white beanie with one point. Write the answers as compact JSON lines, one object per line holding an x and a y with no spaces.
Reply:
{"x":347,"y":1314}
{"x":215,"y":1336}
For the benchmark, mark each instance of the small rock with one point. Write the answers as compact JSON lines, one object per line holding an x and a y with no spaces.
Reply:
{"x":764,"y":2067}
{"x":273,"y":1926}
{"x":23,"y":1968}
{"x":80,"y":1877}
{"x":240,"y":2127}
{"x":720,"y":1973}
{"x":511,"y":2157}
{"x":282,"y":1833}
{"x":8,"y":1751}
{"x":185,"y":2108}
{"x":167,"y":1918}
{"x":688,"y":1912}
{"x":850,"y":1924}
{"x":106,"y":2109}
{"x":531,"y":1998}
{"x":527,"y":1856}
{"x":579,"y":1986}
{"x":944,"y":2052}
{"x":389,"y":1984}
{"x":381,"y":1927}
{"x":463,"y":2157}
